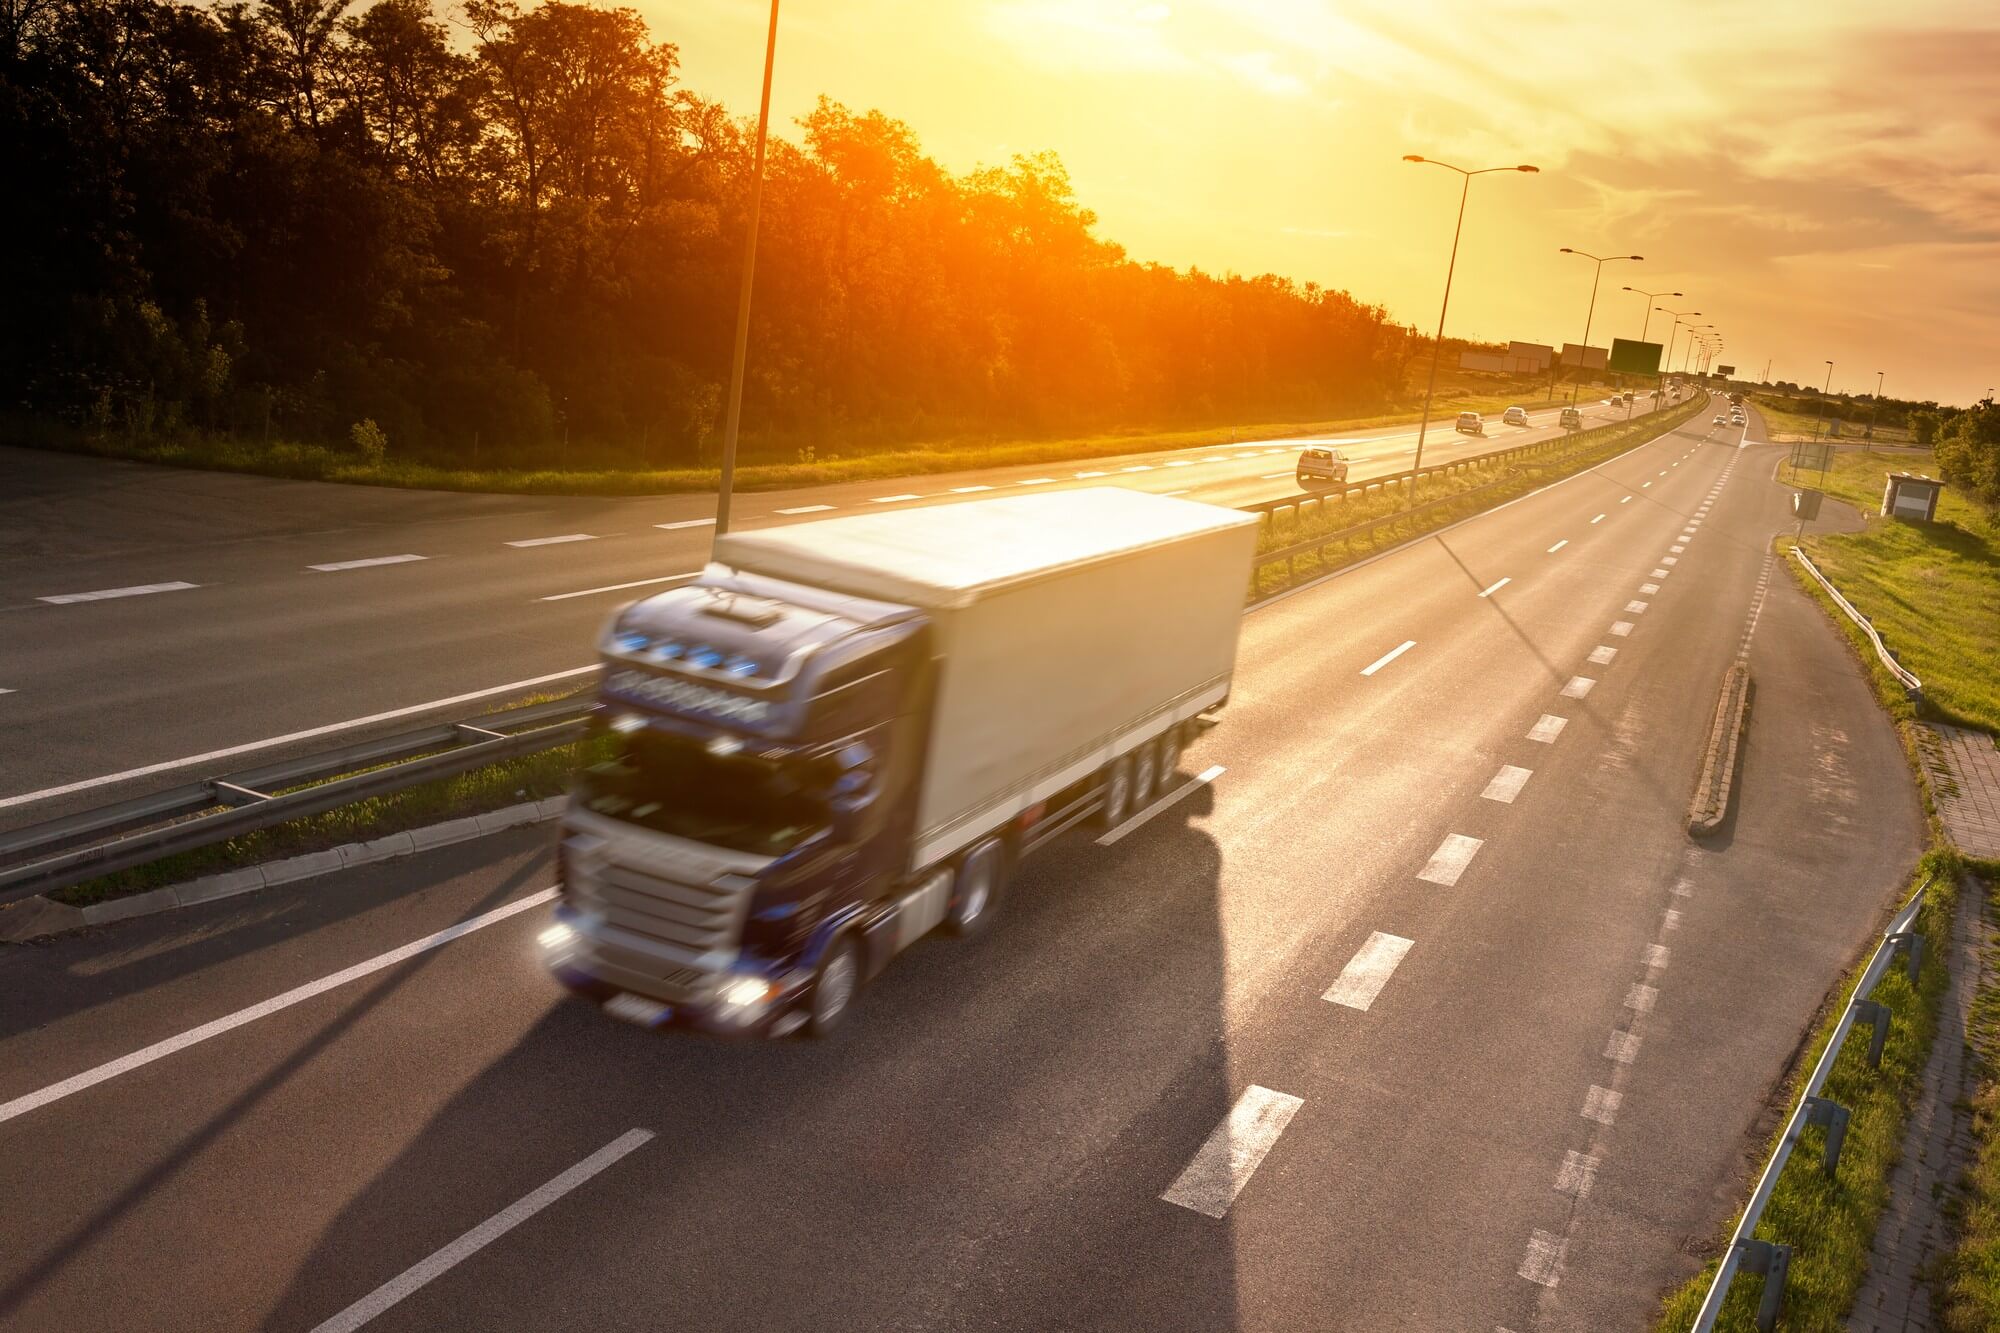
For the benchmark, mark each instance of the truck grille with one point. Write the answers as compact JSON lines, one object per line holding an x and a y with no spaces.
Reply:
{"x":697,"y":918}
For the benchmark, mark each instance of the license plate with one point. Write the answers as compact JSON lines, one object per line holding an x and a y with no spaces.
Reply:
{"x":636,"y":1009}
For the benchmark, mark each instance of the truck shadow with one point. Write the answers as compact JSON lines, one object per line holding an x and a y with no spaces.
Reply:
{"x":984,"y":1145}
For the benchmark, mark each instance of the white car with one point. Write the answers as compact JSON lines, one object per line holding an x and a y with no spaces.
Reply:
{"x":1717,"y":421}
{"x":1515,"y":416}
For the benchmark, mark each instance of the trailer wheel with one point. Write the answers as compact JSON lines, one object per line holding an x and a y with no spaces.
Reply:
{"x":1117,"y":792}
{"x":839,"y":976}
{"x":975,"y":889}
{"x":1145,"y":774}
{"x":1170,"y":755}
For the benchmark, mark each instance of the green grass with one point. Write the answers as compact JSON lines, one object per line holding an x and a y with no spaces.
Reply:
{"x":1830,"y":1224}
{"x":1968,"y":1279}
{"x":531,"y":777}
{"x":1477,"y":488}
{"x":1932,"y":589}
{"x":758,"y":470}
{"x":1792,"y":418}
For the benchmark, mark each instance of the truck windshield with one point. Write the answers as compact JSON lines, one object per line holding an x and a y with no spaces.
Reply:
{"x":676,"y":786}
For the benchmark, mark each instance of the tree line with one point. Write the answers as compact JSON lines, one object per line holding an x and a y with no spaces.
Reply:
{"x":515,"y":238}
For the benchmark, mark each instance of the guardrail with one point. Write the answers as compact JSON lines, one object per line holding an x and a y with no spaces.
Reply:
{"x":214,"y":810}
{"x":1771,"y":1260}
{"x":1910,"y":684}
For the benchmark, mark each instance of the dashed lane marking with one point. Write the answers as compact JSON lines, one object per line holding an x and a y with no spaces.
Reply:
{"x":1547,"y":728}
{"x":1388,"y":657}
{"x":1224,"y":1163}
{"x":1544,"y":1262}
{"x":1601,"y":1104}
{"x":106,"y":594}
{"x":1577,"y":1174}
{"x":1449,"y":861}
{"x":1602,"y":654}
{"x":967,"y":490}
{"x":1558,"y":546}
{"x":1621,"y":628}
{"x":806,"y":509}
{"x":556,"y":541}
{"x":1368,"y":971}
{"x":1489,"y":591}
{"x":1578,"y":687}
{"x":369,"y":563}
{"x":1507,"y":784}
{"x":898,"y":499}
{"x":686,"y":523}
{"x":621,"y":587}
{"x":1598,"y":519}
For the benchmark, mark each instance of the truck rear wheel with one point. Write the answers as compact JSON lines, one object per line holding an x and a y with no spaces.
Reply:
{"x":1117,"y":792}
{"x":1170,"y":755}
{"x":1145,"y":774}
{"x":975,"y":889}
{"x":839,"y":976}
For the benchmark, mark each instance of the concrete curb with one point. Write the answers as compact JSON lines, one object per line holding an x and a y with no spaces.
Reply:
{"x":33,"y":918}
{"x":1718,"y":762}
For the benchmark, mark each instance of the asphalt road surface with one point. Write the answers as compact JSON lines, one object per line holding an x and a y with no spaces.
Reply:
{"x":1423,"y":1014}
{"x":158,"y":626}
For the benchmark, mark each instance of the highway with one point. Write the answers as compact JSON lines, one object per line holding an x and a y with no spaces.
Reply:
{"x":1494,"y":1036}
{"x":160,"y":625}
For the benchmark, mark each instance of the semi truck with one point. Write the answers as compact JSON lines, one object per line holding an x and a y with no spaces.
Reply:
{"x":847,"y":733}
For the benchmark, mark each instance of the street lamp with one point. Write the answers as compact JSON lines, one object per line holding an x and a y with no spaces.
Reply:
{"x":1647,"y":324}
{"x":1819,"y":416}
{"x":1673,"y":333}
{"x":1583,"y":352}
{"x":1437,"y":342}
{"x":743,"y":293}
{"x":1687,"y":353}
{"x":1868,"y":441}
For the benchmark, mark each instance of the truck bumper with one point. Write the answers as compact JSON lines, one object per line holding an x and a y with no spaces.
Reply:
{"x":740,"y":1002}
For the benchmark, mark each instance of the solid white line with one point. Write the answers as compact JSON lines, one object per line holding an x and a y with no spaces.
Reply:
{"x":492,"y":1229}
{"x":125,"y":1064}
{"x":1548,"y":728}
{"x":806,"y":509}
{"x":1496,"y":587}
{"x":1207,"y":775}
{"x":967,"y":490}
{"x":248,"y":747}
{"x":893,"y":499}
{"x":1507,"y":784}
{"x":1449,"y":861}
{"x":687,"y":523}
{"x":1368,"y":971}
{"x":365,"y":564}
{"x":1578,"y":687}
{"x":1598,"y":519}
{"x":1223,"y":1164}
{"x":64,"y":599}
{"x":556,"y":541}
{"x":620,"y":587}
{"x":1388,"y":657}
{"x":6,"y":691}
{"x":1602,"y":655}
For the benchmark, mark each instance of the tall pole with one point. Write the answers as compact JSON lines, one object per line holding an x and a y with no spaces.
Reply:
{"x":1819,"y":414}
{"x":1874,"y":409}
{"x":1583,"y":352}
{"x":735,"y":417}
{"x":1437,"y":340}
{"x":1644,"y":326}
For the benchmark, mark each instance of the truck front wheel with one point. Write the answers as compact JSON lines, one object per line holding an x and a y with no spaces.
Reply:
{"x":834,"y":985}
{"x":975,"y":889}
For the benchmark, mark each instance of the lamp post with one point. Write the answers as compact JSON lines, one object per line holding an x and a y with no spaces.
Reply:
{"x":1819,"y":414}
{"x":1583,"y":351}
{"x":1868,"y":440}
{"x":1687,"y":354}
{"x":1646,"y":324}
{"x":1437,"y":341}
{"x":1673,"y":333}
{"x":735,"y":416}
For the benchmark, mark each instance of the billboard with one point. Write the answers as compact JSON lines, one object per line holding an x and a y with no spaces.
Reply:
{"x":1590,"y":358}
{"x":1635,"y":358}
{"x":1725,"y":371}
{"x":1540,"y":354}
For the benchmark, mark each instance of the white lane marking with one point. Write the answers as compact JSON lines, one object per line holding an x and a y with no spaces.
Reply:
{"x":1622,"y":628}
{"x":1388,"y":657}
{"x":967,"y":490}
{"x":125,"y":1064}
{"x":1368,"y":971}
{"x":1188,"y":462}
{"x":1273,"y":476}
{"x":1507,"y":784}
{"x":1544,"y":1262}
{"x":898,"y":499}
{"x":1656,"y":955}
{"x":1640,"y":998}
{"x":1548,"y":728}
{"x":1602,"y":654}
{"x":1449,"y":861}
{"x":1578,"y":687}
{"x":369,"y":563}
{"x":1558,"y":546}
{"x":1670,"y":560}
{"x":687,"y":523}
{"x":1598,"y":519}
{"x":1675,"y":463}
{"x":1649,"y":588}
{"x":1663,"y":472}
{"x":1577,"y":1174}
{"x":1644,"y":484}
{"x":1275,"y":451}
{"x":1081,"y":475}
{"x":1627,"y":500}
{"x":1248,"y":455}
{"x":1601,"y":1104}
{"x":1678,"y":548}
{"x":806,"y":509}
{"x":106,"y":594}
{"x":6,"y":691}
{"x":1496,"y":587}
{"x":1037,"y":481}
{"x":1223,"y":1164}
{"x":1622,"y":1047}
{"x":620,"y":587}
{"x":1201,"y":779}
{"x":147,"y":770}
{"x":1215,"y":460}
{"x":1671,"y":920}
{"x":1637,"y":608}
{"x":492,"y":1229}
{"x":556,"y":541}
{"x":1660,"y":573}
{"x":1143,"y":467}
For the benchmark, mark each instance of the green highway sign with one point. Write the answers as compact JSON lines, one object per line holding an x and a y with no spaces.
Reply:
{"x":1632,"y":357}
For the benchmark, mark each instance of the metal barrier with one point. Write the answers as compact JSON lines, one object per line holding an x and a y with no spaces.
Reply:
{"x":199,"y":814}
{"x":1748,"y":1254}
{"x":1913,"y":686}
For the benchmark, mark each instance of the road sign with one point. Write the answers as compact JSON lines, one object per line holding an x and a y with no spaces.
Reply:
{"x":1725,"y":371}
{"x":1806,"y":504}
{"x":1632,"y":357}
{"x":1816,"y":456}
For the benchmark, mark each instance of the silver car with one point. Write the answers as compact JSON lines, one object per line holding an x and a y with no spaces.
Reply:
{"x":1322,"y":467}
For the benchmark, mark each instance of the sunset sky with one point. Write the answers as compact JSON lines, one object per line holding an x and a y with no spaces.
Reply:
{"x":1821,"y":179}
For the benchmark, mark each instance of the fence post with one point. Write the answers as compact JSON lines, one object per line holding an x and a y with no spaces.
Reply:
{"x":1910,"y":944}
{"x":1773,"y":1261}
{"x":1872,"y":1011}
{"x":1832,"y":1117}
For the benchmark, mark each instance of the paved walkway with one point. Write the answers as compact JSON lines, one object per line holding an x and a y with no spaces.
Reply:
{"x":1965,"y":774}
{"x":1938,"y":1147}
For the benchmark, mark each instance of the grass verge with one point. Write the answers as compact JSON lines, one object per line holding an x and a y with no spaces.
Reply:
{"x":1790,"y":419}
{"x":808,"y":468}
{"x":1830,"y":1224}
{"x":1476,"y":488}
{"x":1968,"y":1278}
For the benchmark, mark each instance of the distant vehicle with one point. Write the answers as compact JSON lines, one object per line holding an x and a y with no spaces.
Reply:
{"x":1328,"y":466}
{"x":1515,"y":416}
{"x":1628,"y":398}
{"x":1736,"y":398}
{"x":1571,"y":419}
{"x":1718,"y":421}
{"x":847,"y":733}
{"x":1470,"y":423}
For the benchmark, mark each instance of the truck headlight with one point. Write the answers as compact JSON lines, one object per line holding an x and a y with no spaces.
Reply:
{"x":556,"y":937}
{"x":744,"y":998}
